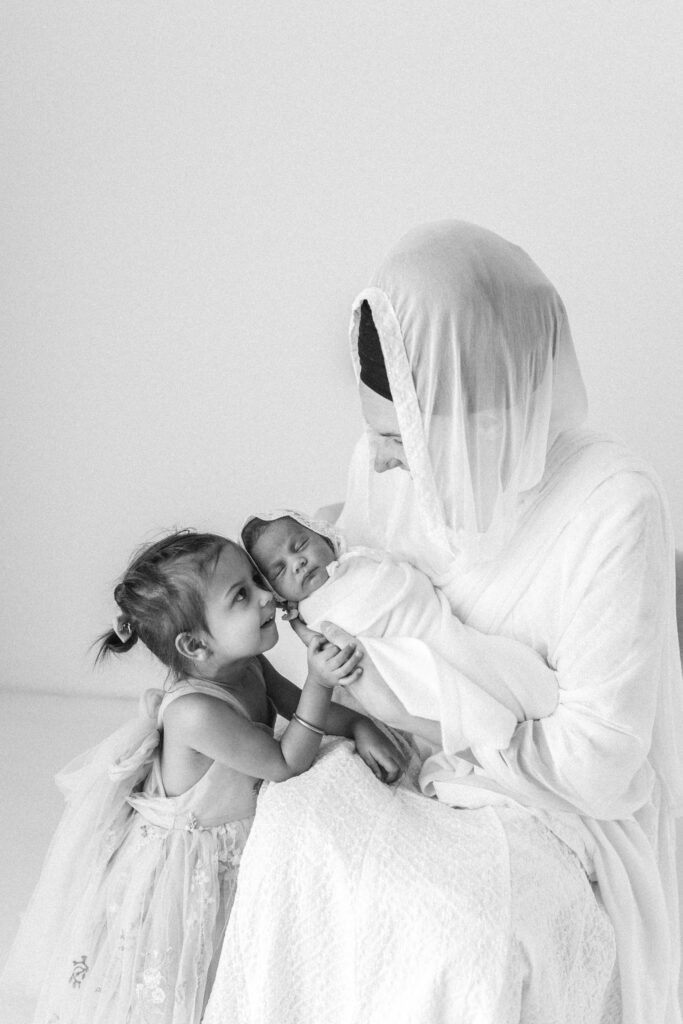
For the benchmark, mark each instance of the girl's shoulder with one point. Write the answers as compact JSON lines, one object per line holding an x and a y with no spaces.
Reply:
{"x":192,"y":697}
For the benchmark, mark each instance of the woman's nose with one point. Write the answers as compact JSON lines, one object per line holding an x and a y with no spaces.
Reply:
{"x":385,"y":462}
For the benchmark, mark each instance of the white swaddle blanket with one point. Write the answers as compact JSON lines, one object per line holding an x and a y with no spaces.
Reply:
{"x":429,"y":665}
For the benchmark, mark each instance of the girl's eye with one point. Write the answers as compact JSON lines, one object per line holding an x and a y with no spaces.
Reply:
{"x":241,"y":594}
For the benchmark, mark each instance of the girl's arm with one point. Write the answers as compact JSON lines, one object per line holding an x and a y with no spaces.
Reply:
{"x":376,"y":750}
{"x":338,"y":720}
{"x":216,"y":730}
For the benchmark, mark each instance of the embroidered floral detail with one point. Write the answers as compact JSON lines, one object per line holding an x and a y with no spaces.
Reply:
{"x":146,"y":833}
{"x":151,"y":977}
{"x":200,"y":877}
{"x":192,"y":823}
{"x":231,"y":844}
{"x":80,"y":969}
{"x":152,"y":987}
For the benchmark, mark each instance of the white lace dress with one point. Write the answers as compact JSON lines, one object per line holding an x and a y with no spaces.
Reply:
{"x":383,"y":907}
{"x":127,"y":921}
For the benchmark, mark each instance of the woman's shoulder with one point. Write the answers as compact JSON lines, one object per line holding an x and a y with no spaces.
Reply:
{"x":606,"y":475}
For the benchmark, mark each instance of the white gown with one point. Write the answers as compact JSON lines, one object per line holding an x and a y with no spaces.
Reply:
{"x":126,"y":923}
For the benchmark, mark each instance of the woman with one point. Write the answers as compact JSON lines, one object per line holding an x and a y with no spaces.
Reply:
{"x":553,"y":539}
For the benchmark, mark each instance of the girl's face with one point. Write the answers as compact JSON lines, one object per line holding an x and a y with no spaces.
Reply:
{"x":383,"y":430}
{"x":239,"y":610}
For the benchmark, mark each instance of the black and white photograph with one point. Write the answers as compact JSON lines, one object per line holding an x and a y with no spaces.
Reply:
{"x":342,"y":512}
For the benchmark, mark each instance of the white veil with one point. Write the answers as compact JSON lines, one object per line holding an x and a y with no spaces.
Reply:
{"x":483,"y":377}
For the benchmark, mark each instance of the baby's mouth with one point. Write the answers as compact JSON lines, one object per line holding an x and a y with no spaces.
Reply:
{"x":309,"y":575}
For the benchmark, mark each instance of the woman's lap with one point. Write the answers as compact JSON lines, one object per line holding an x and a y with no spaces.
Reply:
{"x":359,"y":903}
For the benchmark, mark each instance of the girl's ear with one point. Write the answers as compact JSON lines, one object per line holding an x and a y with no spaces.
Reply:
{"x":191,"y":647}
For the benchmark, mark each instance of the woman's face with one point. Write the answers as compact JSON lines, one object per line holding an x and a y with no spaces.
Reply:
{"x":383,"y":430}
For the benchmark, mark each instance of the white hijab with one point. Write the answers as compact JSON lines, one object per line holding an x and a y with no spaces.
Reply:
{"x":483,"y":377}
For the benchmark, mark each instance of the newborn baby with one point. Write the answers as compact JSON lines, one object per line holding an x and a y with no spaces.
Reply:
{"x":434,"y":675}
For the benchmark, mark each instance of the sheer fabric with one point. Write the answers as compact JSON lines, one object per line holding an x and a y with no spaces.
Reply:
{"x":127,"y":920}
{"x":483,"y":376}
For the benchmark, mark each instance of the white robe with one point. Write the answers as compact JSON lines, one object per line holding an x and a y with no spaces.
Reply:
{"x":587,"y":582}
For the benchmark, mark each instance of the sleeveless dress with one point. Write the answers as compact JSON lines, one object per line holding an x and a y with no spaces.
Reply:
{"x":127,"y":921}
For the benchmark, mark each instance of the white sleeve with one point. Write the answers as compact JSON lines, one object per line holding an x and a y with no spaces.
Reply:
{"x":591,"y":754}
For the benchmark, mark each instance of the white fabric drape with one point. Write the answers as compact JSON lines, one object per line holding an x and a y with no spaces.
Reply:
{"x":483,"y":373}
{"x":548,"y":535}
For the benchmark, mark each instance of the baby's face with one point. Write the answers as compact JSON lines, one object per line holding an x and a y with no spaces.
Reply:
{"x":292,"y":558}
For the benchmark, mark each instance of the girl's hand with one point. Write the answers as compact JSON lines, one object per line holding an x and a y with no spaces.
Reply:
{"x":380,"y":755}
{"x":329,"y":666}
{"x":305,"y":634}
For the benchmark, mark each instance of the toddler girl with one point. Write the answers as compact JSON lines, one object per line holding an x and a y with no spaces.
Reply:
{"x":127,"y":921}
{"x":435,"y":677}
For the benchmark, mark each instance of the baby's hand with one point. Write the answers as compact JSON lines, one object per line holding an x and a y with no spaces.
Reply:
{"x":290,"y":611}
{"x":330,"y":666}
{"x":383,"y":759}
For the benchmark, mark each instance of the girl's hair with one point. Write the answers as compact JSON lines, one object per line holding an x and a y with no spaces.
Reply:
{"x":162,"y":594}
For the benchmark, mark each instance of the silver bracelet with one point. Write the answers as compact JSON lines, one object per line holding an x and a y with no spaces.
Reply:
{"x":307,"y":725}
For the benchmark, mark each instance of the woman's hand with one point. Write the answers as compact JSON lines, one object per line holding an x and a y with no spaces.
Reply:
{"x":331,"y":666}
{"x":380,"y":755}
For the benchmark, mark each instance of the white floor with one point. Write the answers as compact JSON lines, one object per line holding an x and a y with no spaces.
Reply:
{"x":39,"y":734}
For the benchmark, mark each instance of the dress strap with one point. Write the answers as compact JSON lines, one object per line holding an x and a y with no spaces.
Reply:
{"x":199,"y":686}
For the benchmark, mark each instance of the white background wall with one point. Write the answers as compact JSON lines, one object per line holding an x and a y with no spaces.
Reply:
{"x":194,"y":192}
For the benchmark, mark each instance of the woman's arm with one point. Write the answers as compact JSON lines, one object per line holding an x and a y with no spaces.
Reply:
{"x":591,"y":754}
{"x":330,"y":513}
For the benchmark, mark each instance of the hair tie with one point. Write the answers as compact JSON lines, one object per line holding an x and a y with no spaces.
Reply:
{"x":122,"y":628}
